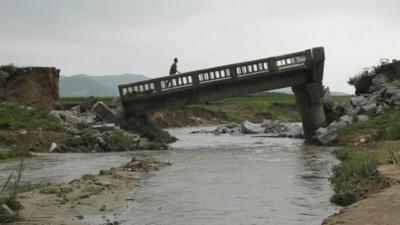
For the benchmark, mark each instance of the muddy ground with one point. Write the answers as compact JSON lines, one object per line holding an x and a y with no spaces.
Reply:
{"x":102,"y":194}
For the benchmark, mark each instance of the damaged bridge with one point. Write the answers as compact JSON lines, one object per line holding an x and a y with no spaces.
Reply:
{"x":303,"y":71}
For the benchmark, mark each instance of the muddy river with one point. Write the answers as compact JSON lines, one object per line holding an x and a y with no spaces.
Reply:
{"x":213,"y":180}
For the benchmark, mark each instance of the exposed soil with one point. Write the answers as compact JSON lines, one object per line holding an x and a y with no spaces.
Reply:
{"x":189,"y":116}
{"x":382,"y":208}
{"x":33,"y":86}
{"x":103,"y":194}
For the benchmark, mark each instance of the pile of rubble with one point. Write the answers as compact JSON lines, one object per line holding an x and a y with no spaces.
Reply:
{"x":383,"y":95}
{"x":267,"y":128}
{"x":95,"y":127}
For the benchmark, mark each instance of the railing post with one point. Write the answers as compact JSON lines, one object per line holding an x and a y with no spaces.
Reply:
{"x":195,"y":80}
{"x":121,"y":94}
{"x":272,"y":65}
{"x":157,"y":86}
{"x":233,"y":72}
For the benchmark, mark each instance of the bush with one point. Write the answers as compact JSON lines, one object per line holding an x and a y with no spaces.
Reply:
{"x":120,"y":141}
{"x":8,"y":68}
{"x":362,"y":81}
{"x":14,"y":153}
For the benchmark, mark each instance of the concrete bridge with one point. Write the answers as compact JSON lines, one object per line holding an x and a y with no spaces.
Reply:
{"x":303,"y":71}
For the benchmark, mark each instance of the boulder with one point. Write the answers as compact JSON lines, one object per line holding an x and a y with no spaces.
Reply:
{"x":70,"y":117}
{"x":347,"y":119}
{"x":248,"y":127}
{"x":363,"y":118}
{"x":103,"y":112}
{"x":53,"y":147}
{"x":369,"y":109}
{"x":358,"y":101}
{"x":326,"y":136}
{"x":327,"y":100}
{"x":337,"y":125}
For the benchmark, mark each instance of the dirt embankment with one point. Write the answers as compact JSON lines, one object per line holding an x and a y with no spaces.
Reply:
{"x":382,"y":208}
{"x":92,"y":195}
{"x":32,"y":86}
{"x":189,"y":116}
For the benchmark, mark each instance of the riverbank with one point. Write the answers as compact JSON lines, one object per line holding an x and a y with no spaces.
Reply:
{"x":367,"y":180}
{"x":102,"y":194}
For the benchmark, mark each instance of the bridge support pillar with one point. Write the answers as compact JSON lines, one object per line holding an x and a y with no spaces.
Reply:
{"x":309,"y":102}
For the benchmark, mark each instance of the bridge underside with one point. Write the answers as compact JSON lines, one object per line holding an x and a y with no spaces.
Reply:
{"x":305,"y":80}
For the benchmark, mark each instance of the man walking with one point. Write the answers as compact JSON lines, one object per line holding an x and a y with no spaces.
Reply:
{"x":173,"y":70}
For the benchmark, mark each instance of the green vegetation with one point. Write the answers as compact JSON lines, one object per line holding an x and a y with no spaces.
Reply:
{"x":94,"y":190}
{"x":79,"y":100}
{"x":8,"y":196}
{"x":14,"y":153}
{"x":357,"y":174}
{"x":14,"y":117}
{"x":86,"y":177}
{"x":8,"y":68}
{"x":120,"y":141}
{"x":387,"y":126}
{"x":256,"y":107}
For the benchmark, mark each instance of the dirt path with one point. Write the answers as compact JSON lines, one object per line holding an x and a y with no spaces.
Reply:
{"x":382,"y":208}
{"x":68,"y":204}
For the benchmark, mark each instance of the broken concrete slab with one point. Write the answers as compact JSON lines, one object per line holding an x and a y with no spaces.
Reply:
{"x":358,"y":100}
{"x":326,"y":136}
{"x":103,"y":112}
{"x":248,"y":127}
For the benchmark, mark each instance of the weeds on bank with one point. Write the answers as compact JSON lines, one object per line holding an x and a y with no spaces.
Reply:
{"x":14,"y":117}
{"x":387,"y":125}
{"x":14,"y":153}
{"x":357,"y":174}
{"x":8,"y":196}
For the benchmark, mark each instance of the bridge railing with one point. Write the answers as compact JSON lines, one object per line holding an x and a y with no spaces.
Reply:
{"x":197,"y":78}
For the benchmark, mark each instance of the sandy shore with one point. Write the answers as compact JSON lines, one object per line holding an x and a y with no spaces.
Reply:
{"x":382,"y":208}
{"x":102,"y":194}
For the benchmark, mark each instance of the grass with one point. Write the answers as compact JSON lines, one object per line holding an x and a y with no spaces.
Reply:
{"x":8,"y":196}
{"x":387,"y":126}
{"x":94,"y":190}
{"x":6,"y":153}
{"x":14,"y":117}
{"x":357,"y":174}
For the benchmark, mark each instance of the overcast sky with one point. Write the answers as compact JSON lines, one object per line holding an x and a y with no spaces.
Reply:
{"x":130,"y":36}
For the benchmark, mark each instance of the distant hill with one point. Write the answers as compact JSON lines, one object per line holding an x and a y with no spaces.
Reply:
{"x":87,"y":85}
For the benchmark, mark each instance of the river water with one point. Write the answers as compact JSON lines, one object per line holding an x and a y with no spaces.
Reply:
{"x":213,"y":180}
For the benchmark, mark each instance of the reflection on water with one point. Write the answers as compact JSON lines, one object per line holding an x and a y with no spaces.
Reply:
{"x":214,"y":180}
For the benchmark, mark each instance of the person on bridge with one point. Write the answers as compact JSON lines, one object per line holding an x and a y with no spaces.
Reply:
{"x":173,"y":70}
{"x":174,"y":67}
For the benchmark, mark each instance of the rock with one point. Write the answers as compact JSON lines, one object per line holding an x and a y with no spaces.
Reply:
{"x":369,"y":109}
{"x":337,"y":125}
{"x":104,"y":113}
{"x":326,"y":136}
{"x":104,"y":127}
{"x":87,"y":104}
{"x":53,"y":147}
{"x":346,"y":118}
{"x":248,"y":127}
{"x":358,"y":101}
{"x":76,"y":108}
{"x":23,"y":132}
{"x":71,"y":117}
{"x":362,"y":118}
{"x":327,"y":100}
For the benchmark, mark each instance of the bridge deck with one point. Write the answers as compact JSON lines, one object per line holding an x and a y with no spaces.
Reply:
{"x":284,"y":67}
